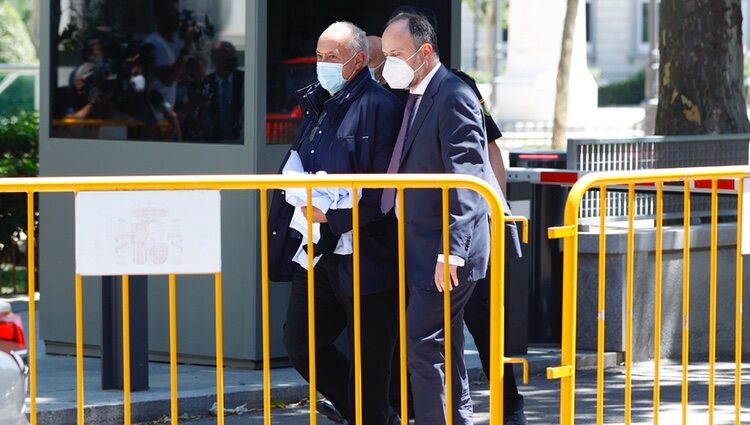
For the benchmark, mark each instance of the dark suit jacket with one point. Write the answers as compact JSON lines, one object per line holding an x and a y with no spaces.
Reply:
{"x":210,"y":90}
{"x":447,"y":136}
{"x":361,"y":124}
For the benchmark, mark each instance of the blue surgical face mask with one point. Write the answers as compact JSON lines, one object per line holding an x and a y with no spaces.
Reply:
{"x":330,"y":75}
{"x":374,"y":70}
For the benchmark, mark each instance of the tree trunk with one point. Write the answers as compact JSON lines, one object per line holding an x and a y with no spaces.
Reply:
{"x":701,"y":65}
{"x":559,"y":137}
{"x":488,"y":47}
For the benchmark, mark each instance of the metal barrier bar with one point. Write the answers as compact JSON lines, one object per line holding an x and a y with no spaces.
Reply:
{"x":402,"y":309}
{"x":79,"y":347}
{"x":497,"y":313}
{"x":173,"y":348}
{"x":601,"y":306}
{"x":263,"y":183}
{"x":264,"y":282}
{"x":657,"y":296}
{"x":739,"y":282}
{"x":447,"y":288}
{"x":569,"y":231}
{"x":524,"y":365}
{"x":357,"y":310}
{"x":311,"y":310}
{"x":219,"y":350}
{"x":685,"y":303}
{"x":30,"y":268}
{"x":712,"y":303}
{"x":126,"y":347}
{"x":629,"y":307}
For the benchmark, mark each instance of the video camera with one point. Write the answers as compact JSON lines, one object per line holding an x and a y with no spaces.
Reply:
{"x":200,"y":27}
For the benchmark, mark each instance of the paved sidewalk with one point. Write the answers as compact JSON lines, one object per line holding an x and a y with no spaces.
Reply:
{"x":56,"y":396}
{"x":542,"y":399}
{"x":197,"y":388}
{"x":57,"y":392}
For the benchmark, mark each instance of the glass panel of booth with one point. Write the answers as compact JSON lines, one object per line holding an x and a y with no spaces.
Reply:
{"x":151,"y":70}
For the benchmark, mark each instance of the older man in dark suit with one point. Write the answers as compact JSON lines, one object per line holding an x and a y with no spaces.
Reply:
{"x":442,"y":132}
{"x":349,"y":125}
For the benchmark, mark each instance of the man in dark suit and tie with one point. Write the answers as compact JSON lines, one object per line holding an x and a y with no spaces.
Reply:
{"x":224,"y":90}
{"x":442,"y":132}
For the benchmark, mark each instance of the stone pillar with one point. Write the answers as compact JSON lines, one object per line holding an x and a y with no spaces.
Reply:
{"x":526,"y":92}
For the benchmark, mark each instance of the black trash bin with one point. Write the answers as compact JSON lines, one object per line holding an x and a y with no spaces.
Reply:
{"x":541,"y":266}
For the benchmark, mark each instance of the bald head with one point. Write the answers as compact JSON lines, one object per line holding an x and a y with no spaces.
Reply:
{"x":344,"y":43}
{"x":377,"y":59}
{"x":350,"y":38}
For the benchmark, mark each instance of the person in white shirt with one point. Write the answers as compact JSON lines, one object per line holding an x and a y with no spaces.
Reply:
{"x":170,"y":53}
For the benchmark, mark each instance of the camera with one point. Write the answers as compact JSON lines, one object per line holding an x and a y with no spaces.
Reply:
{"x":200,"y":27}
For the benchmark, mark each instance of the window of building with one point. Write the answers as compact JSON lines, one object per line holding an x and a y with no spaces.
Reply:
{"x":590,"y":26}
{"x":643,"y":16}
{"x":161,"y":70}
{"x":293,"y":30}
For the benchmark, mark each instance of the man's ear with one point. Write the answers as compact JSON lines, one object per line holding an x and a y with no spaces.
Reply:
{"x":359,"y":60}
{"x":427,"y":49}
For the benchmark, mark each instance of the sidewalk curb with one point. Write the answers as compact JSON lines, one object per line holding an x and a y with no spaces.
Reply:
{"x":198,"y":402}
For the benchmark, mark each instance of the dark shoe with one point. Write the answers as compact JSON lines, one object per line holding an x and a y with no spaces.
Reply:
{"x":514,"y":413}
{"x":394,"y":419}
{"x":327,"y":409}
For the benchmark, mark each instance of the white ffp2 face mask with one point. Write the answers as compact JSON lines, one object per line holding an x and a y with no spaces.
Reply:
{"x":399,"y":74}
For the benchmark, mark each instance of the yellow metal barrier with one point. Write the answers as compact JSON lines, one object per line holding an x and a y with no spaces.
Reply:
{"x":263,"y":184}
{"x":687,"y":178}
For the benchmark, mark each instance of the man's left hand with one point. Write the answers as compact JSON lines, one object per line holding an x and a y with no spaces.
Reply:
{"x":318,"y":216}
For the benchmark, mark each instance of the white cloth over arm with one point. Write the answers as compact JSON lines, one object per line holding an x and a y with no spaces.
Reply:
{"x":322,"y":198}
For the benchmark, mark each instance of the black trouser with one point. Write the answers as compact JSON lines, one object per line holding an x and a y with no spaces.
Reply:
{"x":334,"y":313}
{"x":477,"y":320}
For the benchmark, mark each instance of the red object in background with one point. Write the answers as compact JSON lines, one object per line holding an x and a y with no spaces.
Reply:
{"x":11,"y":330}
{"x":296,"y":73}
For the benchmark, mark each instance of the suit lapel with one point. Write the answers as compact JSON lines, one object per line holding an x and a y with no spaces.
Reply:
{"x":425,"y":105}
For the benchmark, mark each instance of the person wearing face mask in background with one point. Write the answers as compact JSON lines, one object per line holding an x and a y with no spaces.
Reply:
{"x":377,"y":59}
{"x":349,"y":125}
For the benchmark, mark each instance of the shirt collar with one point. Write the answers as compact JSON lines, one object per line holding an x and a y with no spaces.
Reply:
{"x":422,"y":87}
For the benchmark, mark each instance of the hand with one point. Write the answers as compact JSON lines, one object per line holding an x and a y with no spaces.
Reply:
{"x":440,"y":276}
{"x":318,"y":216}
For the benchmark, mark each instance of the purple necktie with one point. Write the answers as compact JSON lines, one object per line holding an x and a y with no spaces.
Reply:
{"x":388,"y":199}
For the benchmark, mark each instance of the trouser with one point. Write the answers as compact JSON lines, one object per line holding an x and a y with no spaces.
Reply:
{"x":477,"y":319}
{"x":426,"y":358}
{"x":334,"y":313}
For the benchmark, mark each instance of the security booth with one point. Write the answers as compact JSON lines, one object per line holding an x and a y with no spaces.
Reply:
{"x":170,"y":87}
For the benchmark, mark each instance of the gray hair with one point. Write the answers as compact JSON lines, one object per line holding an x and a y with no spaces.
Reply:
{"x":358,"y":42}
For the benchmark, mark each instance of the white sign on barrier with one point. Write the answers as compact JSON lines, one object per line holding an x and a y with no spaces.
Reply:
{"x":148,"y":232}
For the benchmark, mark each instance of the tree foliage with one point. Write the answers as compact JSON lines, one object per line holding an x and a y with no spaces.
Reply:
{"x":15,"y":42}
{"x":19,"y":157}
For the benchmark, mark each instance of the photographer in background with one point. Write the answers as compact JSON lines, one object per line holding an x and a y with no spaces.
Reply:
{"x":170,"y":53}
